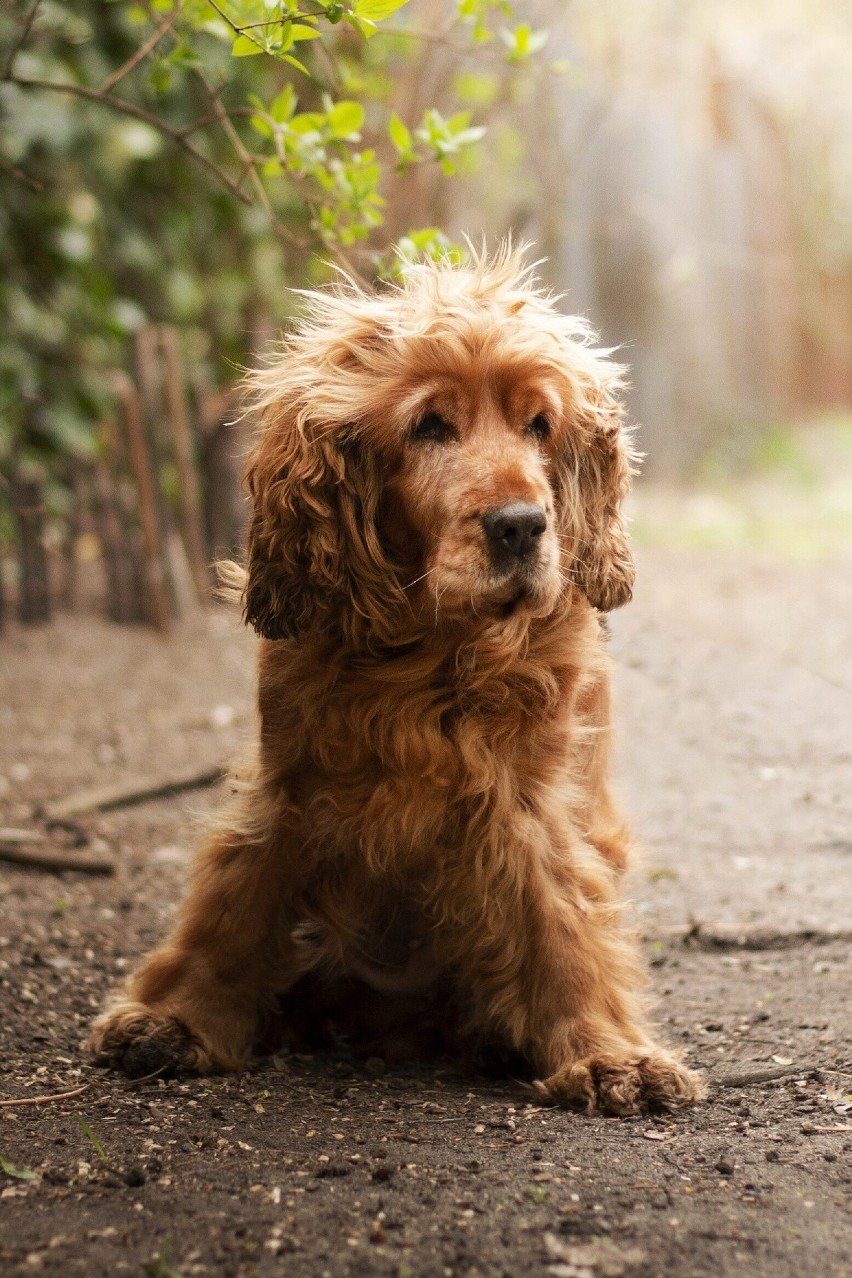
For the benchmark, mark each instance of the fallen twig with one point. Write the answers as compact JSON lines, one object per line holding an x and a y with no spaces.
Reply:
{"x":104,"y":798}
{"x":20,"y":836}
{"x":146,"y":1078}
{"x":768,"y":1074}
{"x":45,"y":1100}
{"x":55,"y":859}
{"x":700,"y":937}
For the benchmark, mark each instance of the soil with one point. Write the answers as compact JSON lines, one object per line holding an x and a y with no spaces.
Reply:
{"x":734,"y":700}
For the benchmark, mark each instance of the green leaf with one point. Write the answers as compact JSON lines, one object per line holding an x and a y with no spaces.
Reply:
{"x":243,"y":47}
{"x":301,"y":32}
{"x":281,"y":43}
{"x":183,"y":55}
{"x":262,"y":126}
{"x":364,"y":28}
{"x":294,"y":62}
{"x":160,"y":76}
{"x":480,"y":88}
{"x":307,"y":122}
{"x":523,"y":42}
{"x":345,"y":119}
{"x":376,"y":10}
{"x":284,"y":105}
{"x":17,"y":1173}
{"x":458,"y":122}
{"x":399,"y":134}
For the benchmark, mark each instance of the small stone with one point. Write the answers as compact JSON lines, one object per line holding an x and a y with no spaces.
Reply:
{"x":724,"y":1166}
{"x":331,"y":1170}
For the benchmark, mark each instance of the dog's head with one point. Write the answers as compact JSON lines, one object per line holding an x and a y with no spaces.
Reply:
{"x":450,"y":448}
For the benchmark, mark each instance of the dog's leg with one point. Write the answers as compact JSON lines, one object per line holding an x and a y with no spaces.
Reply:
{"x":551,"y":968}
{"x":194,"y":1004}
{"x":598,"y":816}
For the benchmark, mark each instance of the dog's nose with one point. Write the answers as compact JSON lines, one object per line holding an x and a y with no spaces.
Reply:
{"x":513,"y":530}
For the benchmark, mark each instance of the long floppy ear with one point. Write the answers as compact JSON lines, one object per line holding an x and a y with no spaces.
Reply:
{"x":313,"y":547}
{"x":604,"y":568}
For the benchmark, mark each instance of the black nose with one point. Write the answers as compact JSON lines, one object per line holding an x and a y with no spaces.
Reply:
{"x":513,"y":530}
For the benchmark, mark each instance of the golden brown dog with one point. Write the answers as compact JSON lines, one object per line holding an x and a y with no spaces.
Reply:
{"x":436,"y":528}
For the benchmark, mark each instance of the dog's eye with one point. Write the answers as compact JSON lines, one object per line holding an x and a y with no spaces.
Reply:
{"x":539,"y":427}
{"x":432,"y":429}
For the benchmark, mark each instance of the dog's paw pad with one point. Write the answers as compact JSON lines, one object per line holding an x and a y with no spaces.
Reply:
{"x":150,"y":1056}
{"x":134,"y":1039}
{"x":647,"y":1083}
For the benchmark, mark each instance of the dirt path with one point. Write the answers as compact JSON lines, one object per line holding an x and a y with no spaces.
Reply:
{"x":735,"y":705}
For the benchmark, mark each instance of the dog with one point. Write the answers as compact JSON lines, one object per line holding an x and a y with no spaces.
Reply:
{"x":436,"y":533}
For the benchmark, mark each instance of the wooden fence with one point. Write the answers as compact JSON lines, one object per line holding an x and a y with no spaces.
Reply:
{"x":144,"y":520}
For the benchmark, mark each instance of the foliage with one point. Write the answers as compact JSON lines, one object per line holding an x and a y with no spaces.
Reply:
{"x":183,"y":161}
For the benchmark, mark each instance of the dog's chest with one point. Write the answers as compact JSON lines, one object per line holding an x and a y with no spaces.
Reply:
{"x":409,"y":775}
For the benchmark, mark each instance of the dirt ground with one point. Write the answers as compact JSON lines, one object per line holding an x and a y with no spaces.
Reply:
{"x":735,"y":725}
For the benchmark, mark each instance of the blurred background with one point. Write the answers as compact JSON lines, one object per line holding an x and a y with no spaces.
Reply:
{"x":683,"y":168}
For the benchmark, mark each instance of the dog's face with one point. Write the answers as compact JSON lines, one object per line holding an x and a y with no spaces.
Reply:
{"x":472,"y":506}
{"x":450,"y":450}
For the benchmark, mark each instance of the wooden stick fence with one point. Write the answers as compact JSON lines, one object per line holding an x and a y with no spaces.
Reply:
{"x":160,"y":502}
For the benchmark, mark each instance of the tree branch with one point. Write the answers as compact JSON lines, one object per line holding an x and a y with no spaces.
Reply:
{"x":31,"y":182}
{"x":130,"y":108}
{"x":26,"y":28}
{"x":238,"y":31}
{"x":144,"y":49}
{"x":247,"y":161}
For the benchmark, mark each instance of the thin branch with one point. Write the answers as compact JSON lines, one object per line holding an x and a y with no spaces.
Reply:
{"x":140,"y":790}
{"x":334,"y":72}
{"x":205,"y":121}
{"x":249,"y":166}
{"x":332,"y":67}
{"x":144,"y":49}
{"x":31,"y":182}
{"x":129,"y":108}
{"x":45,"y":1100}
{"x":23,"y":34}
{"x":55,"y":859}
{"x":14,"y":835}
{"x":752,"y":1077}
{"x":238,"y":31}
{"x":270,"y":22}
{"x":234,"y":138}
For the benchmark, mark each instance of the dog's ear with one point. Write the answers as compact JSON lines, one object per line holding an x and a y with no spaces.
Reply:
{"x":603,"y":567}
{"x":313,"y":546}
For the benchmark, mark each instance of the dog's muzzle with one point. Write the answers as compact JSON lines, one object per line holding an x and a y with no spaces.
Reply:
{"x":513,"y":534}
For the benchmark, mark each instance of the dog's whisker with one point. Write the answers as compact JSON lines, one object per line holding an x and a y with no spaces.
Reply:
{"x":438,"y":596}
{"x":421,"y":578}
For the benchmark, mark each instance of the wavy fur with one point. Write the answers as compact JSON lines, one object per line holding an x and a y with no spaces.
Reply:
{"x":430,"y":805}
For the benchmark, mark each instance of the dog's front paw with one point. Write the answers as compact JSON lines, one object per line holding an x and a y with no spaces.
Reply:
{"x":636,"y":1083}
{"x":134,"y":1038}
